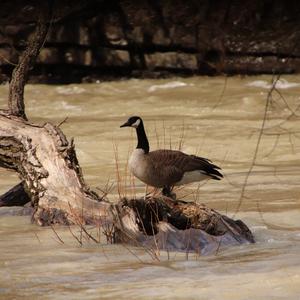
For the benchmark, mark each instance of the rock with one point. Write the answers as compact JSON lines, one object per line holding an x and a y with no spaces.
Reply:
{"x":143,"y":37}
{"x":171,"y":60}
{"x":49,"y":56}
{"x":161,"y":38}
{"x":183,"y":36}
{"x":110,"y":57}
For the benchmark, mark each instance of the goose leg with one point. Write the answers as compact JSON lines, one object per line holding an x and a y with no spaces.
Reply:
{"x":166,"y":191}
{"x":146,"y":194}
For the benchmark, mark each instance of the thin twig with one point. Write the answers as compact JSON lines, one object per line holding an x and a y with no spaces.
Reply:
{"x":7,"y":61}
{"x":62,"y":122}
{"x":222,"y":94}
{"x":75,"y":236}
{"x":269,"y":96}
{"x":59,"y":238}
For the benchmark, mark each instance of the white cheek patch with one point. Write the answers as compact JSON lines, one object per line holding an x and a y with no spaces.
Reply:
{"x":136,"y":123}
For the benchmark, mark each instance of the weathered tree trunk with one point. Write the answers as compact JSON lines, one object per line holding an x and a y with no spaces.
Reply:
{"x":48,"y":165}
{"x":51,"y":177}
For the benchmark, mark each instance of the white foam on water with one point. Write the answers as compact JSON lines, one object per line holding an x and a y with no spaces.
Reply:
{"x":69,"y":90}
{"x":70,"y":107}
{"x":280,"y":84}
{"x":168,"y":85}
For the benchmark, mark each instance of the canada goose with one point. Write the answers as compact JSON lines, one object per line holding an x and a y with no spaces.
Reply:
{"x":166,"y":168}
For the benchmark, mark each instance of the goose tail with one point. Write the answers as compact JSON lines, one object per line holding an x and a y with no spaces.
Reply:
{"x":209,"y":168}
{"x":215,"y":174}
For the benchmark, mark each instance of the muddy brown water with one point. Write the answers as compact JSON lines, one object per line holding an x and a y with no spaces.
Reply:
{"x":213,"y":117}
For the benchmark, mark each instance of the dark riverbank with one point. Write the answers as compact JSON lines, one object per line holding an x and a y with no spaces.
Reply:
{"x":115,"y":39}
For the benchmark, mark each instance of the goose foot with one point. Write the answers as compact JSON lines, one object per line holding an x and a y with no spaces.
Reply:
{"x":166,"y":191}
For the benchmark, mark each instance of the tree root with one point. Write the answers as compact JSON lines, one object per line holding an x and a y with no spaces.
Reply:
{"x":176,"y":225}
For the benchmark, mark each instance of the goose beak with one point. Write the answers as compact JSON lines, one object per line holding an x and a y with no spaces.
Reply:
{"x":126,"y":124}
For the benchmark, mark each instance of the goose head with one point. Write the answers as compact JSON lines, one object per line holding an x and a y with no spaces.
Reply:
{"x":134,"y":122}
{"x":137,"y":123}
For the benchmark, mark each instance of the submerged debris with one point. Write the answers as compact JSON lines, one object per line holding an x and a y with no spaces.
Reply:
{"x":176,"y":225}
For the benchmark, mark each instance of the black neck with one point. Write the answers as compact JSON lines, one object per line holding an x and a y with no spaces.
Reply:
{"x":142,"y":138}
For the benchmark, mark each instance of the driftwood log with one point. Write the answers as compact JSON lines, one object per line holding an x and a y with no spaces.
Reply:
{"x":52,"y":180}
{"x":47,"y":164}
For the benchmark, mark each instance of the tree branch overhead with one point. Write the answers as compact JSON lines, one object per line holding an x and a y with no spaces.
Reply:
{"x":19,"y":78}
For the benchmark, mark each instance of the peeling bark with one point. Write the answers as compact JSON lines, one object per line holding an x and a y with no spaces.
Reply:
{"x":47,"y":163}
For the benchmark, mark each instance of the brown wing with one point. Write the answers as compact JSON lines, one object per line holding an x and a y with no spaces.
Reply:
{"x":166,"y":165}
{"x":173,"y":164}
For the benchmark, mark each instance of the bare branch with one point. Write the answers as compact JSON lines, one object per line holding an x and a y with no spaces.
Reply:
{"x":268,"y":100}
{"x":62,"y":122}
{"x":222,"y":94}
{"x":20,"y":73}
